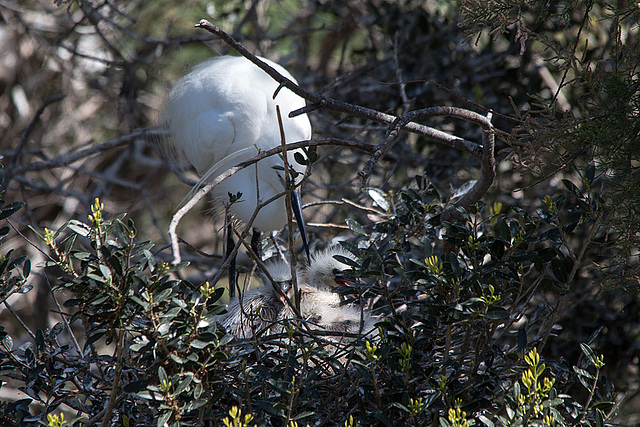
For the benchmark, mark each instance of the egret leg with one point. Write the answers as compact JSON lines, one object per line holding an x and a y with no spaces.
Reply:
{"x":232,"y":264}
{"x":256,"y":243}
{"x":296,"y":206}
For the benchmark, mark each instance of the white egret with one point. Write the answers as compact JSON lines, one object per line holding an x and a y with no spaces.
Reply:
{"x":224,"y":112}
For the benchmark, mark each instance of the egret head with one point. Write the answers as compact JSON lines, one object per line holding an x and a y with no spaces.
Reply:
{"x":324,"y":267}
{"x":280,"y":272}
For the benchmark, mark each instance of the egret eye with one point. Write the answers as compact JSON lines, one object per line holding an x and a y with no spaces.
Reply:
{"x":285,"y":285}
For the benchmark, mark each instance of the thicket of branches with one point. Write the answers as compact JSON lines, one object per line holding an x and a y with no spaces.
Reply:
{"x":509,"y":304}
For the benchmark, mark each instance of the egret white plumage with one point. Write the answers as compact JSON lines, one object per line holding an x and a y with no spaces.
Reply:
{"x":322,"y":271}
{"x":224,"y":112}
{"x":323,"y":307}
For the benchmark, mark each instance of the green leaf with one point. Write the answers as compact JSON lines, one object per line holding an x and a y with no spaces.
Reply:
{"x":355,"y":227}
{"x":93,"y":338}
{"x":40,"y":341}
{"x":79,"y":228}
{"x":299,"y":158}
{"x":496,"y":313}
{"x":522,"y":339}
{"x":82,"y":256}
{"x":182,"y":385}
{"x":162,"y":295}
{"x":486,"y":421}
{"x":589,"y":353}
{"x":8,"y":342}
{"x":600,"y":417}
{"x":162,"y":419}
{"x":379,"y":197}
{"x":162,"y":375}
{"x":591,"y":172}
{"x":559,"y":270}
{"x":195,"y":404}
{"x":179,"y":360}
{"x":199,"y":344}
{"x":135,"y":386}
{"x":106,"y":271}
{"x":142,"y":303}
{"x":572,"y":187}
{"x":455,"y":265}
{"x":583,"y":373}
{"x":26,"y":268}
{"x":10,"y":209}
{"x":312,"y":154}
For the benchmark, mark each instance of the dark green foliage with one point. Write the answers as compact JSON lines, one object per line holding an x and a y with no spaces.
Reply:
{"x":152,"y":352}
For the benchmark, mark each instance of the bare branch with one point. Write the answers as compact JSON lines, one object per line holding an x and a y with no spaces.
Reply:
{"x":336,"y":105}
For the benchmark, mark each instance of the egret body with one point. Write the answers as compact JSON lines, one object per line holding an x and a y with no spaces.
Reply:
{"x":322,"y":307}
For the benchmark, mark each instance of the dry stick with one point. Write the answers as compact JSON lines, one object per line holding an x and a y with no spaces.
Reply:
{"x":116,"y":381}
{"x":73,"y":157}
{"x":389,"y":140}
{"x":481,"y":153}
{"x":336,"y":105}
{"x":27,"y":131}
{"x":487,"y":157}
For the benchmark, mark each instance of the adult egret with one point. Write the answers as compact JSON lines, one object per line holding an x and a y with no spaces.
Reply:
{"x":224,"y":112}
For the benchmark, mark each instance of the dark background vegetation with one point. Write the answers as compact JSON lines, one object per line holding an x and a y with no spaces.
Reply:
{"x":548,"y":260}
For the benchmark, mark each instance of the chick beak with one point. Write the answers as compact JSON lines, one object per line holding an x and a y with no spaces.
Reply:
{"x":285,"y":286}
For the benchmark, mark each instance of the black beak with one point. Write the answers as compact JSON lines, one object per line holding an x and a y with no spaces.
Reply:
{"x":296,"y":205}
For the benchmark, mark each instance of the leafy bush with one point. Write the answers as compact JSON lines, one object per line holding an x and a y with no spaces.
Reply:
{"x":136,"y":346}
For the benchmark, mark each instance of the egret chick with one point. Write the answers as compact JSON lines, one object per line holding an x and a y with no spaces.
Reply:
{"x":323,"y":270}
{"x":258,"y":308}
{"x":322,"y":307}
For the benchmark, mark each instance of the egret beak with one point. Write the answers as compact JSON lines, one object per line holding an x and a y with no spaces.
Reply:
{"x":344,"y":282}
{"x":296,"y":205}
{"x":285,"y":287}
